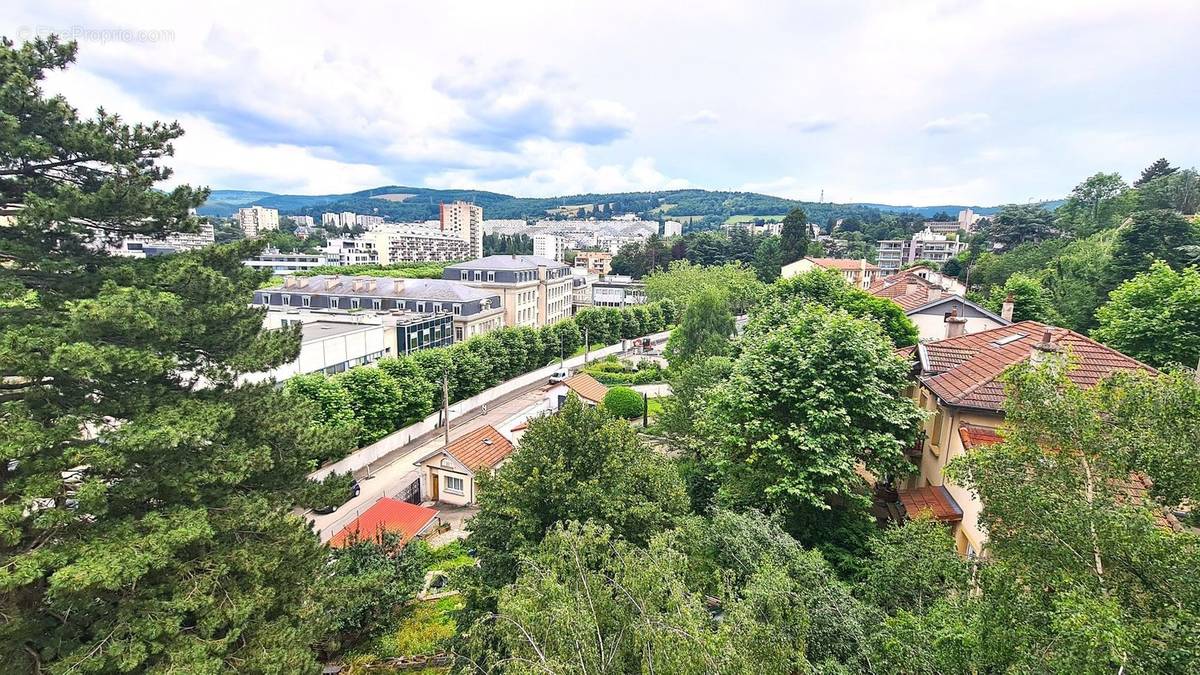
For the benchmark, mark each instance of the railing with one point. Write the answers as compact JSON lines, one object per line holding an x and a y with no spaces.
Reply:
{"x":917,"y":449}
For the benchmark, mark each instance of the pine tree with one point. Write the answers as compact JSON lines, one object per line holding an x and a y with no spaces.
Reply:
{"x":1161,"y":167}
{"x":794,"y":236}
{"x":145,"y":497}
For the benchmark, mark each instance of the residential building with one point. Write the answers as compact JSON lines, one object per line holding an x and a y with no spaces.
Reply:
{"x":958,"y":381}
{"x":388,"y":515}
{"x":255,"y":220}
{"x":403,"y":243}
{"x":449,"y":473}
{"x":894,"y":254}
{"x":347,"y":219}
{"x":594,"y":262}
{"x":587,"y":388}
{"x":618,"y":291}
{"x":581,"y":288}
{"x":536,"y":291}
{"x":857,"y":273}
{"x":464,"y":220}
{"x":760,"y":226}
{"x":368,"y":222}
{"x":509,"y":226}
{"x":353,"y":251}
{"x":141,"y":246}
{"x":549,"y":246}
{"x":916,"y":286}
{"x":943,"y":226}
{"x":302,"y":221}
{"x":474,"y":311}
{"x":330,"y":220}
{"x":287,"y":263}
{"x":967,"y":219}
{"x":672,"y":228}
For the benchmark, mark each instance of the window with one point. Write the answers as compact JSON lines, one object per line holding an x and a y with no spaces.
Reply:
{"x":306,"y":300}
{"x":355,"y":303}
{"x":463,"y":275}
{"x":454,"y":484}
{"x":334,"y":303}
{"x":478,"y":276}
{"x":458,"y":334}
{"x":377,"y":304}
{"x":458,"y":309}
{"x":287,"y":300}
{"x":420,"y":307}
{"x":491,"y":276}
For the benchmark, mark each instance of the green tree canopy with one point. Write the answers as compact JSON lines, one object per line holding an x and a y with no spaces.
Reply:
{"x":830,"y":290}
{"x":685,"y":281}
{"x":145,"y":497}
{"x":1154,"y":317}
{"x":1031,"y":300}
{"x":1159,"y":168}
{"x":794,"y":236}
{"x":1017,"y":224}
{"x":1161,"y":234}
{"x":807,"y":403}
{"x":704,"y":331}
{"x":623,"y":403}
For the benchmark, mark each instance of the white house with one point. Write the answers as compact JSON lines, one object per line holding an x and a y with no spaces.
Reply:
{"x":449,"y":473}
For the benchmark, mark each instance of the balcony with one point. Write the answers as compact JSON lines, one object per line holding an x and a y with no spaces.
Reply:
{"x":916,"y":449}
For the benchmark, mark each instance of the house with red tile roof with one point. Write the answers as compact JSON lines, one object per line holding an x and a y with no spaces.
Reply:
{"x":931,"y":300}
{"x":857,"y":273}
{"x":957,"y":380}
{"x":586,"y":387}
{"x":449,"y":473}
{"x":388,"y":515}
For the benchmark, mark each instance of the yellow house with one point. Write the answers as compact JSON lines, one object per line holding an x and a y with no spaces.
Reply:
{"x":449,"y":473}
{"x":858,"y":273}
{"x":958,"y":383}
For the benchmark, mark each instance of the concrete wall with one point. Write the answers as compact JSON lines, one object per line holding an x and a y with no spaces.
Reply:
{"x":398,"y":439}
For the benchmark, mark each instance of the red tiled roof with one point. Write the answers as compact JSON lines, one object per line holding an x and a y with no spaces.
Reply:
{"x":973,"y":435}
{"x":933,"y":499}
{"x":482,"y":448}
{"x":841,"y":263}
{"x":906,"y":289}
{"x":587,"y":387}
{"x":386,"y":515}
{"x":964,"y":371}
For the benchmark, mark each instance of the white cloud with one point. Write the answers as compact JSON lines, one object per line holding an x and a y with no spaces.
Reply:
{"x":705,"y":116}
{"x":957,"y":123}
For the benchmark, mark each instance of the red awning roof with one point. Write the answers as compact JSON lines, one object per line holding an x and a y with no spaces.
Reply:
{"x":387,"y":515}
{"x":934,"y":500}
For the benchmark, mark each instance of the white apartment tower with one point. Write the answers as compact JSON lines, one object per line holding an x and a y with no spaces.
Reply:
{"x":549,"y":246}
{"x":255,"y":220}
{"x":464,"y":220}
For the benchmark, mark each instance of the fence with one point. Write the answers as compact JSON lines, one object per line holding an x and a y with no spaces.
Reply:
{"x":403,"y":493}
{"x":363,"y":457}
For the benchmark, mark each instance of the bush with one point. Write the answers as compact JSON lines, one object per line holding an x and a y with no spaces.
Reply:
{"x":623,"y":402}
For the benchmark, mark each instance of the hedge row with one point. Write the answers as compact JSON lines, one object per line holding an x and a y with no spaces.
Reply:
{"x":403,"y":390}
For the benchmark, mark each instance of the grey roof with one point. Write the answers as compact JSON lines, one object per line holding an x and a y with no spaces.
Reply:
{"x":506,"y":262}
{"x":316,"y":330}
{"x":959,"y":300}
{"x":388,"y":287}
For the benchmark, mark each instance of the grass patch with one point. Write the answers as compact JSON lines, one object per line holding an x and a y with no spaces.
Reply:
{"x":427,"y":627}
{"x":452,"y":556}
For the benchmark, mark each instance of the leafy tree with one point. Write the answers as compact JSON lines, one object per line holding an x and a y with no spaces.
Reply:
{"x":1098,"y":203}
{"x":1154,"y":317}
{"x":168,"y":543}
{"x":794,"y":236}
{"x":684,"y":281}
{"x":378,"y":404}
{"x":682,"y":411}
{"x":1161,"y":167}
{"x":806,"y":404}
{"x":914,"y":566}
{"x":1179,"y":191}
{"x":333,"y":402}
{"x":705,"y":330}
{"x":830,"y":290}
{"x":1084,"y":578}
{"x":1031,"y":300}
{"x":1146,"y":237}
{"x":768,"y":259}
{"x":579,"y":464}
{"x":623,"y":403}
{"x":1017,"y":224}
{"x":952,"y":267}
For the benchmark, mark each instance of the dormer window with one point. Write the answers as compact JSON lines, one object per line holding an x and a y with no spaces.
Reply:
{"x":355,"y":303}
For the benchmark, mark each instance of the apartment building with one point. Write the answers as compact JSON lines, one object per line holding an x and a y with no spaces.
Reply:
{"x":353,"y":251}
{"x":549,"y":246}
{"x":141,"y":246}
{"x":536,"y":291}
{"x":594,"y":262}
{"x":858,"y":273}
{"x":958,"y":381}
{"x":402,"y":243}
{"x":894,"y":254}
{"x":464,"y":220}
{"x":329,"y":220}
{"x":473,"y":311}
{"x":302,"y":221}
{"x":255,"y":220}
{"x":618,"y":291}
{"x":672,"y":228}
{"x":288,"y":263}
{"x":368,"y":222}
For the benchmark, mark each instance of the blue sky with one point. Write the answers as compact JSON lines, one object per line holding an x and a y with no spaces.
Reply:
{"x":913,"y":102}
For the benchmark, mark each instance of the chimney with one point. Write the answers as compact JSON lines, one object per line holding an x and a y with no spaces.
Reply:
{"x":955,"y":325}
{"x":1006,"y":310}
{"x":1044,"y":349}
{"x":934,"y":293}
{"x":290,"y":282}
{"x":330,"y":282}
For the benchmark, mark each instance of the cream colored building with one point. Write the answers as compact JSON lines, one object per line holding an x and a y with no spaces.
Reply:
{"x":448,"y":474}
{"x":465,"y":221}
{"x":958,"y":384}
{"x":535,"y":291}
{"x":255,"y":220}
{"x":857,"y":273}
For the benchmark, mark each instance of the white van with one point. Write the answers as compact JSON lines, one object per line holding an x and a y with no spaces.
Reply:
{"x":559,"y":375}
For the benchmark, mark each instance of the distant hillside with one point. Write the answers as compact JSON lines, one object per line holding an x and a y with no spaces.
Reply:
{"x":403,"y":203}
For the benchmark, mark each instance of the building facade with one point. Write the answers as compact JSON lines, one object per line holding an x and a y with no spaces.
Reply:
{"x":858,"y":273}
{"x":549,"y":246}
{"x":141,"y":246}
{"x":894,"y":254}
{"x":473,"y":311}
{"x":536,"y":291}
{"x":287,"y":263}
{"x":465,"y":221}
{"x":618,"y":291}
{"x":255,"y":220}
{"x":594,"y":262}
{"x":417,"y":244}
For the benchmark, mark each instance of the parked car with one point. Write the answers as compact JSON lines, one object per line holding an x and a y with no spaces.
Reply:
{"x":559,"y":375}
{"x":324,"y":509}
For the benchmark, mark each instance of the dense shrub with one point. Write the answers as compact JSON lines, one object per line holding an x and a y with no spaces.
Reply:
{"x":623,"y":402}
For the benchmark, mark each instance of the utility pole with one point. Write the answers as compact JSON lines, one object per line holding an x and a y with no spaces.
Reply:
{"x":587,"y":346}
{"x":446,"y":406}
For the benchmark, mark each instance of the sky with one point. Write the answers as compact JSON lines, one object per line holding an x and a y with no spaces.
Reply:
{"x":903,"y":102}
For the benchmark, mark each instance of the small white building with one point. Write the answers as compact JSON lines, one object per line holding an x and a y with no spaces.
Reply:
{"x":588,"y":388}
{"x":449,"y":473}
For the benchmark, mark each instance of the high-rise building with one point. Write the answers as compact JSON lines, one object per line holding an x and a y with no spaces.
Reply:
{"x":417,"y":244}
{"x":672,"y":228}
{"x":302,"y":221}
{"x":255,"y":220}
{"x":464,"y":220}
{"x":329,"y":220}
{"x":348,"y":219}
{"x":549,"y":246}
{"x":894,"y":254}
{"x":369,"y":222}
